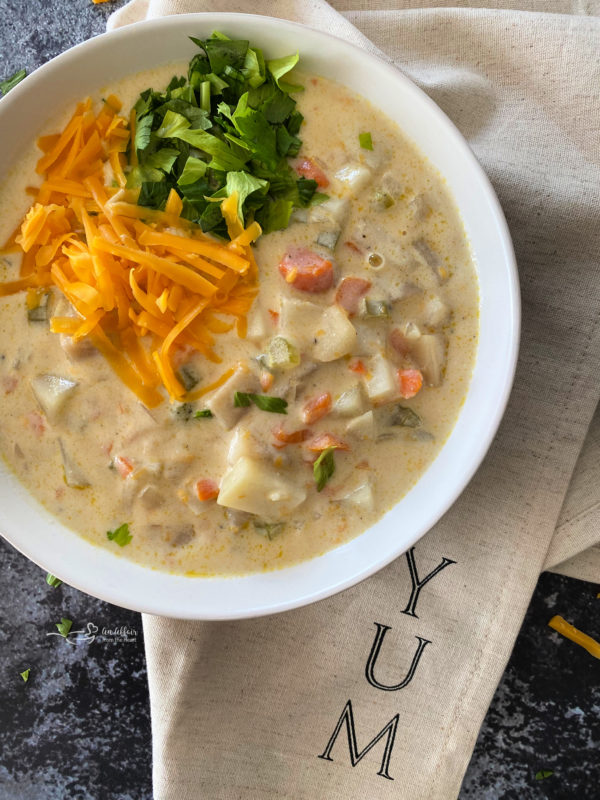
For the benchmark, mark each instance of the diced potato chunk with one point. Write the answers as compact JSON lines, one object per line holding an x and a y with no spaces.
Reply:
{"x":429,"y":351}
{"x":333,"y":210}
{"x":354,"y":176}
{"x":221,"y":401}
{"x":74,"y":476}
{"x":298,"y":321}
{"x":258,"y":324}
{"x":52,"y":392}
{"x":336,"y":335}
{"x":363,"y":426}
{"x":435,"y":311}
{"x":362,"y":497}
{"x":242,"y":444}
{"x":381,"y":382}
{"x":258,"y":488}
{"x":350,"y":403}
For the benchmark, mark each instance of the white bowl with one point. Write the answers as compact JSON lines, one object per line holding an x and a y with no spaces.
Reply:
{"x":83,"y":70}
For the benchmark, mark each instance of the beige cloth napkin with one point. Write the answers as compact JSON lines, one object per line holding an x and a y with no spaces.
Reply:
{"x":379,"y":692}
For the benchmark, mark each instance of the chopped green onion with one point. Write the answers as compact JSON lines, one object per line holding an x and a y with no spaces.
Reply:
{"x":206,"y":413}
{"x":25,"y":674}
{"x":10,"y":83}
{"x":120,"y":535}
{"x":64,"y":626}
{"x":276,"y":405}
{"x":324,"y":467}
{"x":205,"y":95}
{"x":53,"y":581}
{"x":365,"y":141}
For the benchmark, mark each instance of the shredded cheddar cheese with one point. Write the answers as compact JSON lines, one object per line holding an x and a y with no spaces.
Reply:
{"x":575,"y":635}
{"x":145,"y":283}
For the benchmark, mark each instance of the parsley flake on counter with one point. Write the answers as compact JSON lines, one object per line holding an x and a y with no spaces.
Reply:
{"x":64,"y":626}
{"x":324,"y":467}
{"x":120,"y":535}
{"x":53,"y":581}
{"x":10,"y":83}
{"x":25,"y":674}
{"x":543,"y":774}
{"x":276,"y":405}
{"x":365,"y":141}
{"x":206,"y":413}
{"x":229,"y":126}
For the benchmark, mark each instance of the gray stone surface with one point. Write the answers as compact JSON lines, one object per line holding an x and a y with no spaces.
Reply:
{"x":79,"y":729}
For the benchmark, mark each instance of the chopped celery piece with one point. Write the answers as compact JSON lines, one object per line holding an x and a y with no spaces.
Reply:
{"x":40,"y":312}
{"x":405,"y":417}
{"x":281,"y":354}
{"x":376,"y":308}
{"x":328,"y":239}
{"x":383,"y":199}
{"x":268,"y":529}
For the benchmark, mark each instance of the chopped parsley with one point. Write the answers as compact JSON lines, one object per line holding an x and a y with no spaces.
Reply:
{"x":365,"y":141}
{"x":206,"y":413}
{"x":10,"y":83}
{"x":543,"y":774}
{"x":276,"y":405}
{"x":229,"y":126}
{"x":25,"y":674}
{"x":323,"y":468}
{"x":64,"y":626}
{"x":53,"y":581}
{"x":120,"y":535}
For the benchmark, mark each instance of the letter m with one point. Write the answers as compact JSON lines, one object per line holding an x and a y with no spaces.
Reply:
{"x":389,"y":731}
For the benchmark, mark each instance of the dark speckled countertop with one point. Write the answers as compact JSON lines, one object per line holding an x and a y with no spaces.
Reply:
{"x":79,"y":729}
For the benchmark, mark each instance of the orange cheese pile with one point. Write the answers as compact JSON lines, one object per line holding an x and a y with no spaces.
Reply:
{"x":146,"y":284}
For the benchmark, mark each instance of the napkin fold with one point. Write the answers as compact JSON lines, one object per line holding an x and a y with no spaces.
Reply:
{"x":380,"y":691}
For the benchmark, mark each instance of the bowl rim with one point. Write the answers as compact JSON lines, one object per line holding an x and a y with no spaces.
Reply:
{"x":167,"y":598}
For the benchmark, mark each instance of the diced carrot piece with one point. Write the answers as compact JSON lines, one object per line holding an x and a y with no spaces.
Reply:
{"x":308,"y":169}
{"x":324,"y":440}
{"x":207,"y":489}
{"x":353,"y":246}
{"x":294,"y":437}
{"x":411,"y":382}
{"x":399,"y":342}
{"x":123,"y":466}
{"x":350,"y":292}
{"x":316,"y":407}
{"x":306,"y":270}
{"x":266,"y":380}
{"x":358,"y":366}
{"x":36,"y":422}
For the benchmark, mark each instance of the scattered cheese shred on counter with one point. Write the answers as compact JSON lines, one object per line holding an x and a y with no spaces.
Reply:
{"x":575,"y":635}
{"x":143,"y":282}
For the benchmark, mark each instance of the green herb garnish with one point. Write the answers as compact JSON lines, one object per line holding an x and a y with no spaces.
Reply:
{"x":25,"y":674}
{"x":365,"y":141}
{"x":324,"y":467}
{"x":543,"y":774}
{"x":53,"y":581}
{"x":229,"y":126}
{"x":120,"y":535}
{"x":64,"y":626}
{"x":10,"y":83}
{"x":206,"y":413}
{"x":276,"y":405}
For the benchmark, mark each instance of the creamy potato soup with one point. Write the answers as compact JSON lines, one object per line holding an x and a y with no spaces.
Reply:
{"x":351,"y":371}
